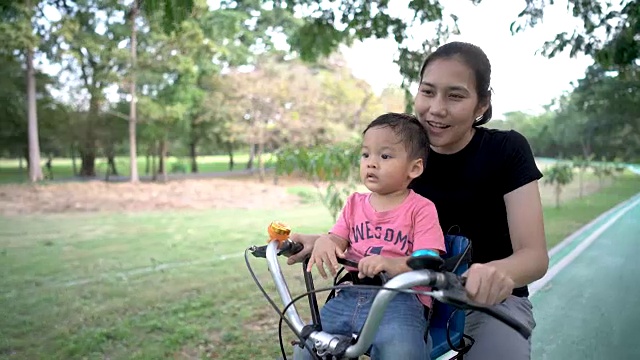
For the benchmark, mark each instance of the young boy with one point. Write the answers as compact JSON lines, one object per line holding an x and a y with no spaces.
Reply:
{"x":380,"y":230}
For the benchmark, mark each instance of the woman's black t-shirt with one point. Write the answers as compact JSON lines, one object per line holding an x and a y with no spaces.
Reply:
{"x":468,"y":189}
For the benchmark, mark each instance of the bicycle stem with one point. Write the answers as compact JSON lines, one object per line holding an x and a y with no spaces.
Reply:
{"x":281,"y":285}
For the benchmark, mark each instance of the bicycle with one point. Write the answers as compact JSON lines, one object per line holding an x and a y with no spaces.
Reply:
{"x":428,"y":269}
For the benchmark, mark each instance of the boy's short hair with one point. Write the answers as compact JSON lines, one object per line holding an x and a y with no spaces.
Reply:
{"x":410,"y":131}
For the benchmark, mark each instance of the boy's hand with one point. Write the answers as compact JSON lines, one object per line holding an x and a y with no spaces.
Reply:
{"x":326,"y":251}
{"x":372,"y":265}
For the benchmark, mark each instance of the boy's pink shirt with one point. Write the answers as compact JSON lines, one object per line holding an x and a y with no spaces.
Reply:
{"x":410,"y":226}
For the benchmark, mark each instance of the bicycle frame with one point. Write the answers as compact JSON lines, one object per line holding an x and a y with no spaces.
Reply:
{"x":448,"y":289}
{"x":325,"y":342}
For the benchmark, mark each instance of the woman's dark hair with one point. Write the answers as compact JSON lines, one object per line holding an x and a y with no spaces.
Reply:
{"x":477,"y":61}
{"x":407,"y":127}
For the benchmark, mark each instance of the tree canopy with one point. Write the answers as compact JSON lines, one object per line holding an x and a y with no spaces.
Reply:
{"x":210,"y":78}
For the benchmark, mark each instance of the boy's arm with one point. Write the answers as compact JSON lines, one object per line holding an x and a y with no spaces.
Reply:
{"x":339,"y":234}
{"x":332,"y":245}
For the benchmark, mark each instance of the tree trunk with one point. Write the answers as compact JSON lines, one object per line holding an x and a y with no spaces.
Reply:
{"x":162,"y":168}
{"x":88,"y":144}
{"x":49,"y":166}
{"x":20,"y":164}
{"x":154,"y":169}
{"x":160,"y":158}
{"x":558,"y":190}
{"x":252,"y":154}
{"x":88,"y":155}
{"x":110,"y":153}
{"x":194,"y":156}
{"x":147,"y":161}
{"x":25,"y":155}
{"x":260,"y":161}
{"x":581,"y":182}
{"x":133,"y":156}
{"x":35,"y":171}
{"x":358,"y":114}
{"x":261,"y":141}
{"x":74,"y":164}
{"x":230,"y":152}
{"x":111,"y":165}
{"x":88,"y":163}
{"x":586,"y":148}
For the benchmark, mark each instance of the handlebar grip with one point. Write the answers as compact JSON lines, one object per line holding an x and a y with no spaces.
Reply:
{"x":383,"y":275}
{"x":348,"y":262}
{"x":289,"y":248}
{"x":455,"y":294}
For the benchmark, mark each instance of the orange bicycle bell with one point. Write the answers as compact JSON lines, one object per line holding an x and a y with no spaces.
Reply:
{"x":278,"y":231}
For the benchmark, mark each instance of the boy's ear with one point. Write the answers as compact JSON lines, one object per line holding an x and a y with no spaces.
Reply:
{"x":416,"y":168}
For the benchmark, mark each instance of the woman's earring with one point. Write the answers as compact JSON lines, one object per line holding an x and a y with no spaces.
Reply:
{"x":479,"y":118}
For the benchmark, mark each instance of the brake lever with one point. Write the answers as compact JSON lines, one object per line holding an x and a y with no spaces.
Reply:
{"x":455,"y":294}
{"x":259,"y":251}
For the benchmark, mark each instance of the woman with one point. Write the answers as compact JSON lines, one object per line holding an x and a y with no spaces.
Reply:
{"x":484,"y":183}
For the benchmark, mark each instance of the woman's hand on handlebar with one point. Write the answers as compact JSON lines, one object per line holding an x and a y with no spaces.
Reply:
{"x":487,"y":284}
{"x":307,"y":242}
{"x":326,"y":250}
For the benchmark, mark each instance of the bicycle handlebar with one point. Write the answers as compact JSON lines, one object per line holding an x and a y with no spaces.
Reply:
{"x":448,"y":288}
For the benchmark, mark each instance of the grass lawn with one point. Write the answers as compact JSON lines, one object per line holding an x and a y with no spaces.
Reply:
{"x":563,"y":221}
{"x":10,"y":171}
{"x":167,"y":284}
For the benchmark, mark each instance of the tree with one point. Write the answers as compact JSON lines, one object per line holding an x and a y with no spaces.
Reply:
{"x":17,"y":29}
{"x":337,"y":165}
{"x":85,"y":41}
{"x":608,"y":118}
{"x":14,"y":109}
{"x":182,"y":69}
{"x":617,"y":22}
{"x":218,"y":124}
{"x":326,"y":25}
{"x":559,"y":175}
{"x":582,"y":164}
{"x":174,"y":12}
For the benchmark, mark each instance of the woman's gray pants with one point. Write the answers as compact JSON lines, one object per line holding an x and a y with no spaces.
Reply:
{"x":495,"y":340}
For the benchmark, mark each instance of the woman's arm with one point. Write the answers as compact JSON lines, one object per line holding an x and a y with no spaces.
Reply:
{"x":530,"y":259}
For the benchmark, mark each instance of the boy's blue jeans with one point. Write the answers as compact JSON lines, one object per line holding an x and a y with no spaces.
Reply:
{"x":401,"y":332}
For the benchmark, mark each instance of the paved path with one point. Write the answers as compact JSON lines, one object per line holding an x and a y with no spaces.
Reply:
{"x":588,"y":305}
